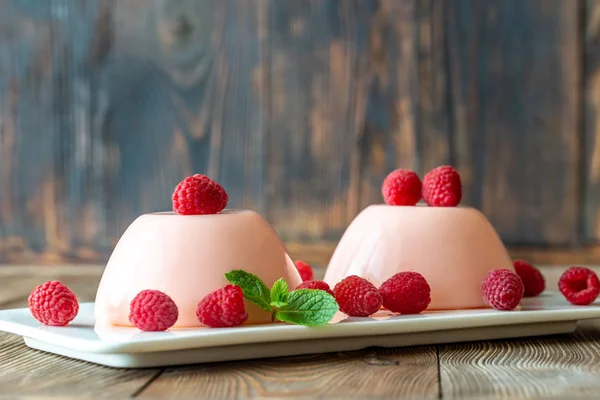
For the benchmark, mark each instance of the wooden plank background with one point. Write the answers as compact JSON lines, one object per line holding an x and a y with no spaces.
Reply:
{"x":298,"y":107}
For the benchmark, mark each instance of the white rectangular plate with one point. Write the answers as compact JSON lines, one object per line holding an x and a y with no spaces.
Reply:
{"x":129,"y":348}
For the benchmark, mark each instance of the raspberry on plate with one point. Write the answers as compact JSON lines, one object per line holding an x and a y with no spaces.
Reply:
{"x":319,"y":285}
{"x":153,"y":311}
{"x":305,"y":270}
{"x":406,"y":293}
{"x":442,"y":187}
{"x":197,"y":194}
{"x":357,"y":297}
{"x":223,"y":308}
{"x":401,"y":187}
{"x":53,"y":304}
{"x":533,"y":280}
{"x":579,"y":285}
{"x":502,"y":289}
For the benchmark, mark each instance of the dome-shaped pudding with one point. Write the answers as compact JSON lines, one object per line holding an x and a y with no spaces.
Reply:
{"x":186,"y":257}
{"x":452,"y":247}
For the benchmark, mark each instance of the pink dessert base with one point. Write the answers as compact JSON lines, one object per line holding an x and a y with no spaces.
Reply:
{"x":452,"y":247}
{"x":186,"y":257}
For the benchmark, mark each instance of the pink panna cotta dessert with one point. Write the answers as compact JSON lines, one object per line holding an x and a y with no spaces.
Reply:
{"x":454,"y":248}
{"x":186,"y":257}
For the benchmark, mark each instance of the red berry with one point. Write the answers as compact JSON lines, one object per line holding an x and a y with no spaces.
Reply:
{"x":153,"y":311}
{"x":222,"y":308}
{"x":401,"y":188}
{"x":406,"y":293}
{"x":442,"y":187}
{"x":305,"y":271}
{"x":502,"y":289}
{"x":197,"y":194}
{"x":319,"y":285}
{"x":357,"y":297}
{"x":54,"y":304}
{"x":579,"y":285}
{"x":533,"y":280}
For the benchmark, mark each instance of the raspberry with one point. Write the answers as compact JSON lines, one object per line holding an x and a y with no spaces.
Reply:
{"x":502,"y":289}
{"x":401,"y":188}
{"x":406,"y":293}
{"x":533,"y":280}
{"x":153,"y":311}
{"x":54,"y":304}
{"x":579,"y":285}
{"x":357,"y":297}
{"x":197,"y":194}
{"x":305,"y":271}
{"x":442,"y":187}
{"x":319,"y":285}
{"x":222,"y":308}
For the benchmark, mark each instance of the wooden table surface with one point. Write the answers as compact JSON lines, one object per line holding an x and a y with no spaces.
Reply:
{"x":562,"y":366}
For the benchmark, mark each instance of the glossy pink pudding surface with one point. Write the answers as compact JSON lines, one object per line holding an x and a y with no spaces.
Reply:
{"x":186,"y":257}
{"x":452,"y":247}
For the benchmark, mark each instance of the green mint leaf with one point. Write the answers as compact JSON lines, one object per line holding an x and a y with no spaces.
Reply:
{"x":279,"y":293}
{"x":308,"y":307}
{"x":253,"y":288}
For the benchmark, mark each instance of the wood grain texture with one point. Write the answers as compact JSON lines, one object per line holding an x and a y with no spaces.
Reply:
{"x":562,"y":366}
{"x":515,"y":87}
{"x":299,"y":108}
{"x":194,"y":70}
{"x":345,"y":109}
{"x":434,"y":126}
{"x":52,"y":155}
{"x":405,"y":124}
{"x":318,"y":52}
{"x":389,"y":136}
{"x":377,"y":373}
{"x":106,"y":105}
{"x":591,"y":143}
{"x":30,"y":373}
{"x":553,"y":367}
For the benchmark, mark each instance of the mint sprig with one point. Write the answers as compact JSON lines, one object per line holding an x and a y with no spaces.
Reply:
{"x":279,"y":294}
{"x":309,"y":307}
{"x":252,"y":287}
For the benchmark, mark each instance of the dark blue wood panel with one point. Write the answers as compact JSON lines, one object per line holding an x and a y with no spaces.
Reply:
{"x":515,"y":82}
{"x":298,"y":107}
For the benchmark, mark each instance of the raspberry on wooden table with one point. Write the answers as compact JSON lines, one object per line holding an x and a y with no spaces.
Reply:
{"x":222,"y":308}
{"x":357,"y":297}
{"x":533,"y":280}
{"x":153,"y":311}
{"x":305,"y":270}
{"x":442,"y":187}
{"x":406,"y":293}
{"x":197,"y":194}
{"x":319,"y":285}
{"x":53,"y":304}
{"x":502,"y":289}
{"x":401,"y":187}
{"x":579,"y":285}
